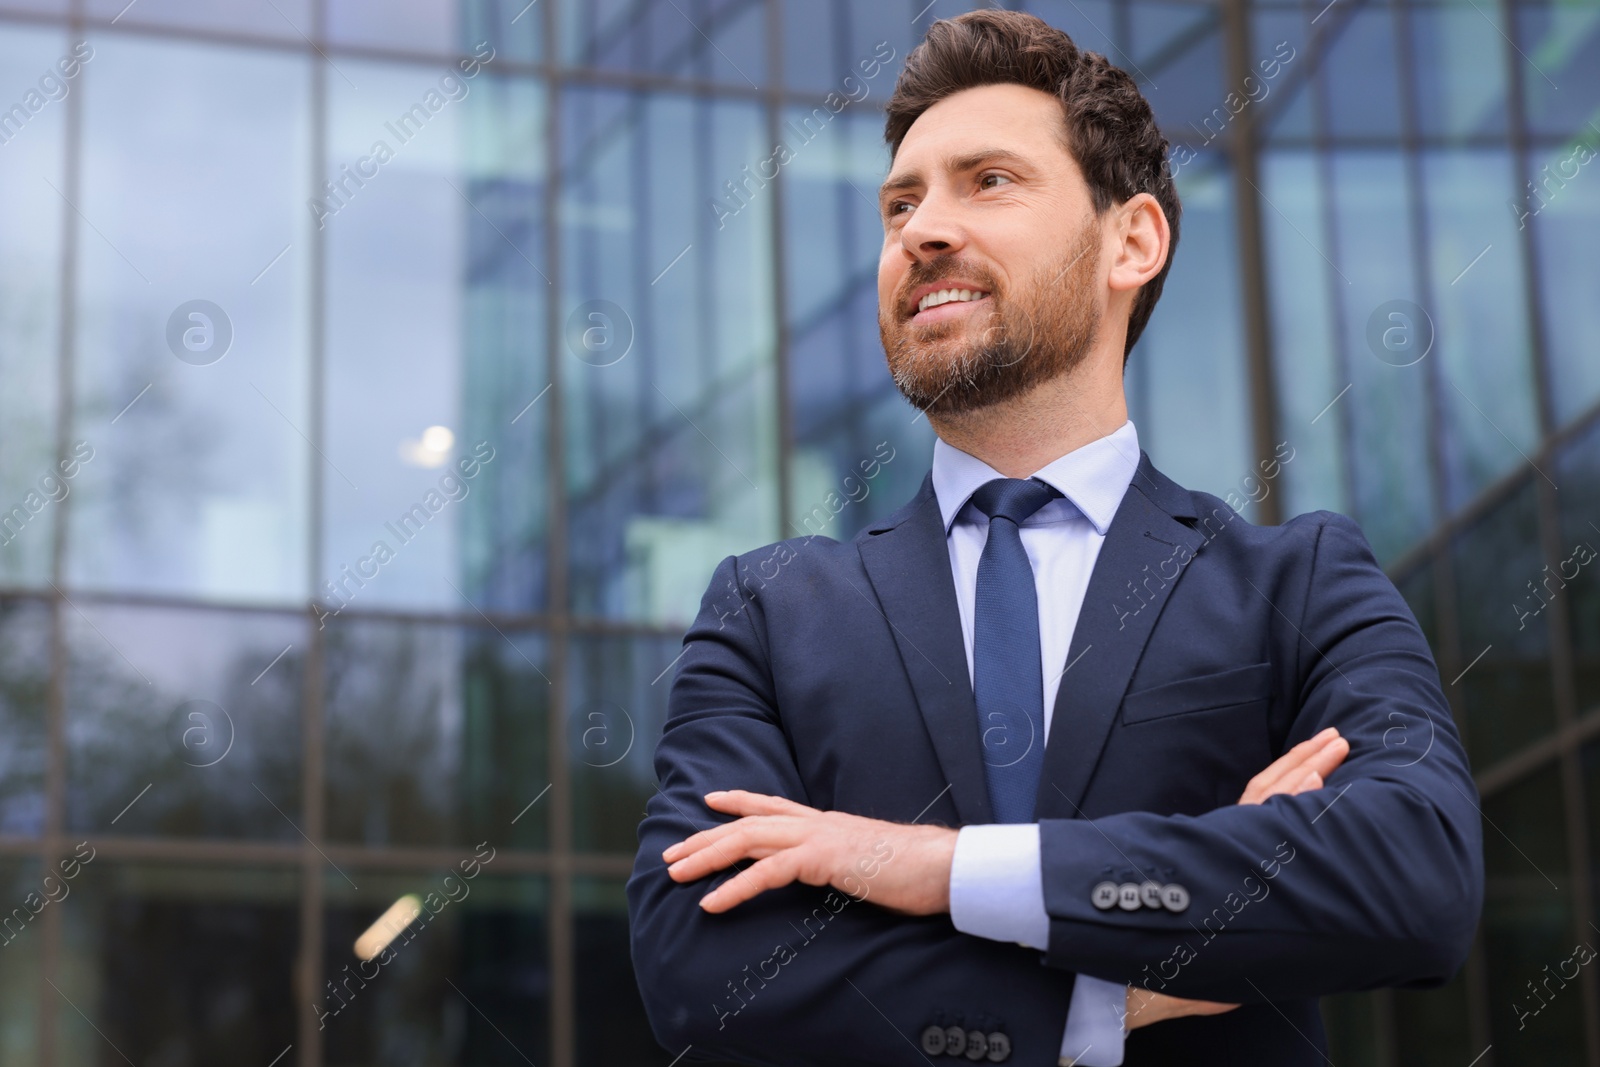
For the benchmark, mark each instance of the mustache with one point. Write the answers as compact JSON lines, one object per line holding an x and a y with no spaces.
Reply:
{"x":932,"y":276}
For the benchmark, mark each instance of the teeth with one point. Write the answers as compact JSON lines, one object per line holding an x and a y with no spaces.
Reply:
{"x":945,"y":296}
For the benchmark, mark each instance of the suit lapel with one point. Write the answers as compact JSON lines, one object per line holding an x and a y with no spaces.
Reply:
{"x":1142,"y":558}
{"x":907,"y":559}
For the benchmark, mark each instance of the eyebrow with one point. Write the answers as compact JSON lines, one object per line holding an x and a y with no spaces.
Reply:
{"x":958,"y":164}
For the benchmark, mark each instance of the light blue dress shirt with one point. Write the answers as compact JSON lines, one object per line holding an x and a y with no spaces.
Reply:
{"x":996,"y":885}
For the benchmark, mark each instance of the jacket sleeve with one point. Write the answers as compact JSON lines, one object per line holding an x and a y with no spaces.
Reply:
{"x":798,"y":975}
{"x":1374,"y":880}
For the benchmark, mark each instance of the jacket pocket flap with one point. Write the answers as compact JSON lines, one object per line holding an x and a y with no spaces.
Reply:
{"x":1238,"y":685}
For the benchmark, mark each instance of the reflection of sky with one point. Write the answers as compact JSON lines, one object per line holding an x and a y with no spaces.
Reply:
{"x":193,"y":161}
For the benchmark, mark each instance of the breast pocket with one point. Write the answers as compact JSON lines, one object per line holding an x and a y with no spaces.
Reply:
{"x":1202,"y":692}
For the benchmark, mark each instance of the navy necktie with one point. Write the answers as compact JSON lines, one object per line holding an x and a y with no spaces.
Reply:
{"x":1008,"y":685}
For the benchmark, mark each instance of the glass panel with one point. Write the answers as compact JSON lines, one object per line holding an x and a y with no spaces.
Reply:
{"x":177,"y":964}
{"x":467,"y":982}
{"x":1309,"y":376}
{"x":267,"y":18}
{"x":435,"y":325}
{"x":1161,"y":32}
{"x":696,"y":40}
{"x":1562,"y":204}
{"x":1359,"y":74}
{"x":1560,"y":79}
{"x":1282,"y":44}
{"x":1479,"y":319}
{"x":611,"y":1024}
{"x":184,"y":722}
{"x":191,"y":357}
{"x":1528,"y":926}
{"x":31,"y":135}
{"x":1351,"y":1021}
{"x":1460,"y":70}
{"x":826,"y":42}
{"x":619,"y":692}
{"x":436,"y":734}
{"x":668,"y":372}
{"x":1192,"y":104}
{"x":1190,"y":403}
{"x":1388,"y":399}
{"x":26,"y":897}
{"x":25,"y":659}
{"x":1500,"y":598}
{"x":1431,"y":1025}
{"x":506,"y":29}
{"x":851,"y":425}
{"x":1576,"y":575}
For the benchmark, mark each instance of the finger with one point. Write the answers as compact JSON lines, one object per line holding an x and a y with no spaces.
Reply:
{"x":1287,"y":765}
{"x":743,"y":802}
{"x":754,"y":838}
{"x":708,"y":837}
{"x":771,"y":873}
{"x":1314,"y":774}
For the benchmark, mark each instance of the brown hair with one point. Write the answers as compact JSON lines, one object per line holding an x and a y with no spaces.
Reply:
{"x":1109,"y":128}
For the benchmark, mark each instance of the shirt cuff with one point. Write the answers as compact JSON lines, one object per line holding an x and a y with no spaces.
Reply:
{"x":1095,"y":1024}
{"x":996,"y":888}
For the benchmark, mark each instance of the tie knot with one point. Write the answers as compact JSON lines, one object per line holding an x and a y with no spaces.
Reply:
{"x":1013,"y":498}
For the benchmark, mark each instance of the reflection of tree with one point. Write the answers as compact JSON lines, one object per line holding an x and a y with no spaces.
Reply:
{"x":24,"y":700}
{"x":27,"y":424}
{"x":124,"y":734}
{"x":148,"y":489}
{"x":434,"y":733}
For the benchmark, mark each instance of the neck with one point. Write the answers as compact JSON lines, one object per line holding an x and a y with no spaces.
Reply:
{"x":1019,"y":436}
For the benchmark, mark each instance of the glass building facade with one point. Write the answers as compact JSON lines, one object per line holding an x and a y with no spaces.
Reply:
{"x":381,"y":382}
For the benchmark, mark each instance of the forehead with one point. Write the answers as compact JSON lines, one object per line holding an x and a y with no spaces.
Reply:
{"x":1014,"y":116}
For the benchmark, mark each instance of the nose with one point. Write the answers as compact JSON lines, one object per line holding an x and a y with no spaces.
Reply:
{"x":934,"y":228}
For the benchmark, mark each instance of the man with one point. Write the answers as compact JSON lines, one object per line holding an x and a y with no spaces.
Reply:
{"x":1090,"y":794}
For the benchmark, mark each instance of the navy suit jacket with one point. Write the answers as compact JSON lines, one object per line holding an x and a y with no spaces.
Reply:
{"x":835,"y":674}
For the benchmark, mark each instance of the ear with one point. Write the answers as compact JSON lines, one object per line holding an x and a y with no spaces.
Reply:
{"x":1143,"y":239}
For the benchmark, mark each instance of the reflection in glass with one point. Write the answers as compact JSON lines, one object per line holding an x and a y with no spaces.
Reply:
{"x":177,"y":964}
{"x":25,"y":662}
{"x":435,"y":479}
{"x":1563,"y":209}
{"x":612,"y":730}
{"x":1500,"y":597}
{"x":668,"y":353}
{"x":1188,"y":393}
{"x":436,"y":734}
{"x":23,"y":947}
{"x":30,"y":218}
{"x":195,"y":413}
{"x":695,"y":40}
{"x":1528,"y":926}
{"x":467,"y":982}
{"x":1577,"y":570}
{"x":1388,"y":403}
{"x":184,"y":722}
{"x":1480,"y":319}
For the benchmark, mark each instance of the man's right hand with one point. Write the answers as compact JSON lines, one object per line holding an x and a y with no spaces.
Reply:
{"x":1300,"y":770}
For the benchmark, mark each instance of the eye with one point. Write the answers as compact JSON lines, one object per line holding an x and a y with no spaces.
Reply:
{"x":986,"y":177}
{"x":895,"y":206}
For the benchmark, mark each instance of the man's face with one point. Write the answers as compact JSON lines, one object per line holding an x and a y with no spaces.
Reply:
{"x":983,"y":197}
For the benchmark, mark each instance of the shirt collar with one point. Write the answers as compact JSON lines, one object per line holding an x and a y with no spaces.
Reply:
{"x":1094,"y":477}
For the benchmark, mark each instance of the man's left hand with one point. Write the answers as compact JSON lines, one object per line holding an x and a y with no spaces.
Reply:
{"x":901,"y":867}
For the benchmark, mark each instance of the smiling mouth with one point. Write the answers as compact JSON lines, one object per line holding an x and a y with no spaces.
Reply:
{"x":948,"y":304}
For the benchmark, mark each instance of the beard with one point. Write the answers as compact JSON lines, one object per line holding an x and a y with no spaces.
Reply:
{"x":1041,"y":332}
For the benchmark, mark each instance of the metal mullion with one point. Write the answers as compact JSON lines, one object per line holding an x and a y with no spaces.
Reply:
{"x":52,"y":845}
{"x":562,"y":1005}
{"x":773,"y":104}
{"x":308,"y":976}
{"x":1243,"y":148}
